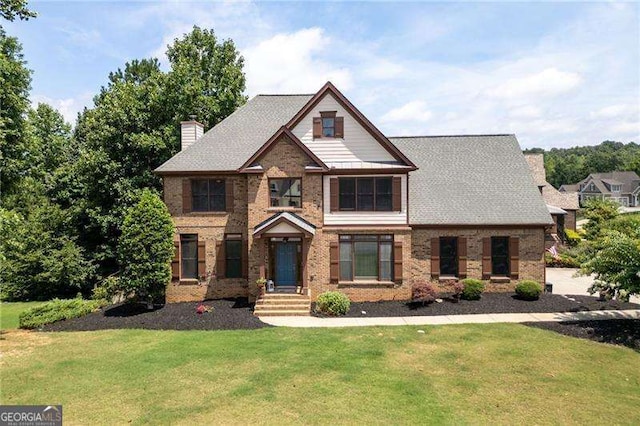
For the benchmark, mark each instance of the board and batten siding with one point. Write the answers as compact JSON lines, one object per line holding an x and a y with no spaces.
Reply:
{"x":357,"y":144}
{"x":363,"y":218}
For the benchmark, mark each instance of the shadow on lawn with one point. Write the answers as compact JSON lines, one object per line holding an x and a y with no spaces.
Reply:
{"x":623,"y":332}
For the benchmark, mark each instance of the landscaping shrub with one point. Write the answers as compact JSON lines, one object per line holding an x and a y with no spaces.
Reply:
{"x":456,"y":288}
{"x":423,"y":292}
{"x":573,"y":238}
{"x":145,"y":249}
{"x":528,"y":290}
{"x":56,"y":310}
{"x":563,"y":260}
{"x":472,"y":289}
{"x":333,"y":303}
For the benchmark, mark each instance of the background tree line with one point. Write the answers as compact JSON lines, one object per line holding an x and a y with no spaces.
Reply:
{"x":571,"y":165}
{"x":65,"y":191}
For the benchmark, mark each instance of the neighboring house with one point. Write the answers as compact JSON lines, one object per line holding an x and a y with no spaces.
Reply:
{"x":621,"y":187}
{"x":304,"y":190}
{"x":561,"y":206}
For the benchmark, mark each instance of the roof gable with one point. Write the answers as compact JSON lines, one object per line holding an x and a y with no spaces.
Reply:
{"x":330,"y":90}
{"x":282,"y":132}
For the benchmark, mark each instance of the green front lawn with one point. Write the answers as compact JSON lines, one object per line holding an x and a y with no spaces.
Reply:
{"x":9,"y":313}
{"x":457,"y":374}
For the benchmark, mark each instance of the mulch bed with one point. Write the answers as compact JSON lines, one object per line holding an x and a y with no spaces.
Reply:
{"x":617,"y":332}
{"x":227,"y":314}
{"x":490,"y":303}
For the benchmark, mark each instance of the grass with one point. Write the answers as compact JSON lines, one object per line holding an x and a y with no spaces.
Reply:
{"x":457,"y":374}
{"x":9,"y":313}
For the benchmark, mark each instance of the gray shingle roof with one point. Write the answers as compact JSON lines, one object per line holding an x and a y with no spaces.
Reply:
{"x":471,"y":180}
{"x":629,"y":181}
{"x":550,"y":195}
{"x":228,"y":145}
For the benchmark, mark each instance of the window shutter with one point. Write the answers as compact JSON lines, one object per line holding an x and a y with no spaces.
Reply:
{"x":514,"y":254}
{"x":317,"y":127}
{"x":228,"y":191}
{"x":221,"y":261}
{"x":462,"y":257}
{"x":486,"y":258}
{"x":435,"y":258}
{"x":397,"y":262}
{"x":186,"y":195}
{"x":334,"y":261}
{"x":175,"y":262}
{"x":202,"y":258}
{"x":396,"y":193}
{"x":245,"y":259}
{"x":333,"y":195}
{"x":339,"y":129}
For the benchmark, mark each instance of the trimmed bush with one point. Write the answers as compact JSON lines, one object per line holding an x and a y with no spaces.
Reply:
{"x":333,"y":303}
{"x":528,"y":290}
{"x":56,"y":310}
{"x":573,"y":238}
{"x":562,"y":261}
{"x":472,"y":289}
{"x":423,"y":292}
{"x":456,"y":289}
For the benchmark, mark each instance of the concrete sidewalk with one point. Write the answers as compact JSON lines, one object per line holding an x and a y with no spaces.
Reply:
{"x":313,"y":322}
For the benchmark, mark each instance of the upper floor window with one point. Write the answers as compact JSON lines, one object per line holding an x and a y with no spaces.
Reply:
{"x":365,"y":194}
{"x":285,"y":192}
{"x":616,"y":188}
{"x":208,"y":195}
{"x":592,"y":187}
{"x":328,"y":125}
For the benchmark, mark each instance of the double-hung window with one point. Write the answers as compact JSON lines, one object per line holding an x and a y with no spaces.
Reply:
{"x":366,"y":257}
{"x":285,"y":192}
{"x":449,"y":256}
{"x":365,"y":193}
{"x":233,"y":255}
{"x":208,"y":195}
{"x":189,"y":255}
{"x":500,"y":256}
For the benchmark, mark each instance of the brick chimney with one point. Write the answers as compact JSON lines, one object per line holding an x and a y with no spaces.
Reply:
{"x":190,"y":132}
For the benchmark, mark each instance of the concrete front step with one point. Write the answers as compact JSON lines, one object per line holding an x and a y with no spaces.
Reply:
{"x":282,"y":304}
{"x":282,"y":313}
{"x":282,"y":301}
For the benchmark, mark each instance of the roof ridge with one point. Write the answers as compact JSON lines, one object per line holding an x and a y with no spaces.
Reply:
{"x":285,"y":94}
{"x":453,"y":136}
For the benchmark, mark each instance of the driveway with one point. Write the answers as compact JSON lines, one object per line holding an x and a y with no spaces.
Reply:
{"x":565,"y":282}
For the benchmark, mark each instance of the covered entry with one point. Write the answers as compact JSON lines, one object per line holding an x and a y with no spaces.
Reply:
{"x":286,"y":237}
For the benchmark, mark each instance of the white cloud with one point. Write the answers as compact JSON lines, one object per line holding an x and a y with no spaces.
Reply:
{"x":293,"y":63}
{"x":68,"y":107}
{"x":549,"y":82}
{"x":525,"y":111}
{"x":614,"y":111}
{"x":382,"y":69}
{"x":412,"y":111}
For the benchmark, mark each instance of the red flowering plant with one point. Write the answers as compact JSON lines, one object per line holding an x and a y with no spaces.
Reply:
{"x":202,"y":308}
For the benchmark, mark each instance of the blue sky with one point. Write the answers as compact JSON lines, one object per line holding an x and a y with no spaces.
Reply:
{"x":555,"y":74}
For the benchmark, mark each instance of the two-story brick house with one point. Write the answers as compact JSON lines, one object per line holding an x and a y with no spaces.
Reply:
{"x":305,"y":191}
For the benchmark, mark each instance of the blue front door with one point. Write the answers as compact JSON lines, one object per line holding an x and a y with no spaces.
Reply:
{"x":286,"y":264}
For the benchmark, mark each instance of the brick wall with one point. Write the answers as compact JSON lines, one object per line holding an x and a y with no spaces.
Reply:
{"x":210,"y":227}
{"x":531,"y":263}
{"x":570,"y":220}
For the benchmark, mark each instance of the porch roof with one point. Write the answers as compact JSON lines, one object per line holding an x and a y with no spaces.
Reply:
{"x":292,"y":219}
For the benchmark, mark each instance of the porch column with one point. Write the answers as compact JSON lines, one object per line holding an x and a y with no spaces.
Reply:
{"x":261,"y":262}
{"x":305,"y":250}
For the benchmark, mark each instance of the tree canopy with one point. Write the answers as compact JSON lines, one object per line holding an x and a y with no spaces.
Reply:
{"x":67,"y":192}
{"x":571,"y":165}
{"x":12,"y":9}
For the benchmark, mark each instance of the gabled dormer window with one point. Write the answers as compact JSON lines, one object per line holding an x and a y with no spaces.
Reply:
{"x":616,"y":188}
{"x":328,"y":125}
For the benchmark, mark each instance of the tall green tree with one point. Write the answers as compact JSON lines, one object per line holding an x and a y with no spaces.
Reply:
{"x":12,"y":9}
{"x":145,"y":249}
{"x":15,"y":83}
{"x":135,"y":126}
